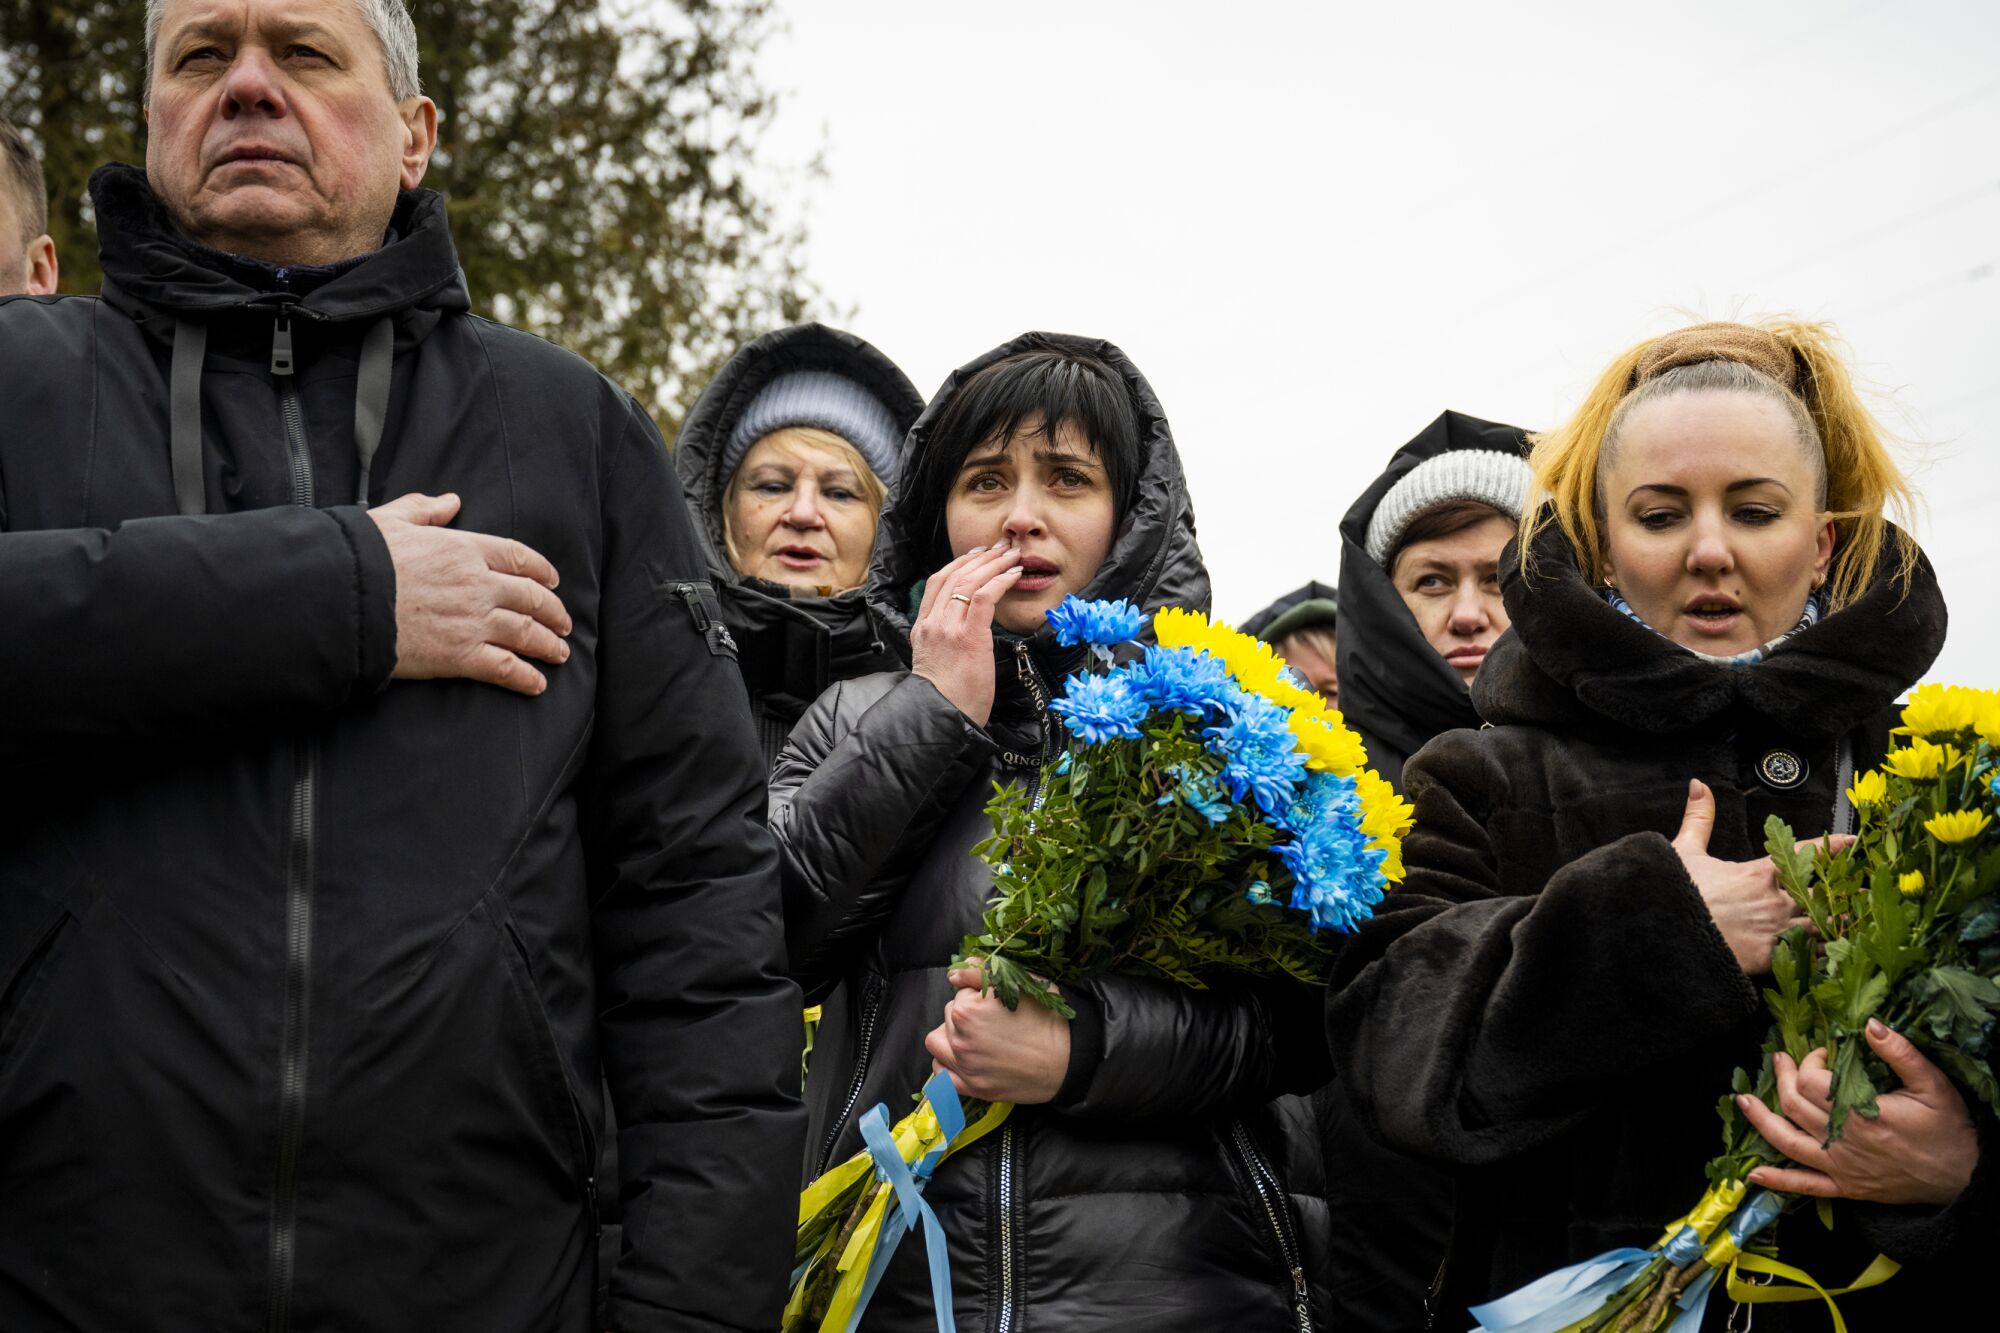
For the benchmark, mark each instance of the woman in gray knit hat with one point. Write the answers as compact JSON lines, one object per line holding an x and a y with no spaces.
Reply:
{"x":786,"y":457}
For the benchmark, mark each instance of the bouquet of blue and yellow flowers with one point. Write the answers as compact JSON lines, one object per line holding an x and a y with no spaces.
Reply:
{"x":1906,"y":932}
{"x":1210,"y":817}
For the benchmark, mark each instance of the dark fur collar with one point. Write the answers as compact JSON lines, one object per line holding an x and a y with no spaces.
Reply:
{"x":1570,"y":658}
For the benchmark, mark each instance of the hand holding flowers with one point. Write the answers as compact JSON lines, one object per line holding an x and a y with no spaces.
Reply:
{"x":994,"y":1053}
{"x":1920,"y":1147}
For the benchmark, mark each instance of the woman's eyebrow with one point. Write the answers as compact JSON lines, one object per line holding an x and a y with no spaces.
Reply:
{"x":1666,"y":488}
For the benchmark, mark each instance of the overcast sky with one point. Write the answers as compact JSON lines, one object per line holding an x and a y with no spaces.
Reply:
{"x":1315,"y":225}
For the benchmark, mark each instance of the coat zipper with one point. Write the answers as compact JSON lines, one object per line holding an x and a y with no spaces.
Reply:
{"x":871,"y":1008}
{"x":293,"y":1049}
{"x":1843,"y":775}
{"x":1006,"y":1195}
{"x":1038,"y":693}
{"x":1278,"y":1212}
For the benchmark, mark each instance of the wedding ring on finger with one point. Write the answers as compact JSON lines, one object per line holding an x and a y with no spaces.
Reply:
{"x":961,"y":597}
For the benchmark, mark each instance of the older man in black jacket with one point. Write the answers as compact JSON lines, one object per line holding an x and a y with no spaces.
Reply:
{"x":321,"y":903}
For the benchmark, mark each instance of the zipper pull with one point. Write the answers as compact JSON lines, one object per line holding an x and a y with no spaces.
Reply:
{"x":1301,"y":1302}
{"x":690,"y":595}
{"x":281,"y":344}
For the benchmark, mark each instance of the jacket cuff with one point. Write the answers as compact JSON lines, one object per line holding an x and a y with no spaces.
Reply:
{"x":374,"y":600}
{"x":1086,"y":1045}
{"x":1961,"y":1230}
{"x":1712,"y":946}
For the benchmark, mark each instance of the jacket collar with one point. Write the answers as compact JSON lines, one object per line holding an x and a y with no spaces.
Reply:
{"x":1571,"y":657}
{"x":148,"y":262}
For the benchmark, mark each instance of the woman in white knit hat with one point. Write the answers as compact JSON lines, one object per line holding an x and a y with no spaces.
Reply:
{"x":1419,"y":583}
{"x":1419,"y":605}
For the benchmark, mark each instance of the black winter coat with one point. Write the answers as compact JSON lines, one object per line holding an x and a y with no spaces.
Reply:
{"x":306,"y":975}
{"x":1388,"y":1214}
{"x":1158,"y":1191}
{"x":1394,"y":688}
{"x":1546,"y":1002}
{"x":1391,"y":1211}
{"x":790,"y":647}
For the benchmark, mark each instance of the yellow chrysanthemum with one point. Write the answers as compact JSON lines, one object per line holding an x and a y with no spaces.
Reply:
{"x":1385,"y":818}
{"x":1911,"y":884}
{"x":1329,"y":744}
{"x":1957,"y":826}
{"x":1950,"y":710}
{"x":1920,"y":760}
{"x":1868,"y":789}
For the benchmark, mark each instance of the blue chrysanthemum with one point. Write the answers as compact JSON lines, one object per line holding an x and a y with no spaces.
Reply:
{"x":1199,"y":792}
{"x":1102,"y":623}
{"x":1100,"y":708}
{"x":1336,"y":876}
{"x":1259,"y":757}
{"x":1183,"y":680}
{"x":1993,"y":785}
{"x":1322,"y":796}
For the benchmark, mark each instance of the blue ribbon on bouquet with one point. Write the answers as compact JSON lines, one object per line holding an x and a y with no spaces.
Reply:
{"x":1758,"y":1212}
{"x":1557,"y":1300}
{"x":910,"y":1207}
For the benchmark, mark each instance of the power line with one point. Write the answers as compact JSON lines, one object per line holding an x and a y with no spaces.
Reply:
{"x":1930,"y":287}
{"x":1985,"y":190}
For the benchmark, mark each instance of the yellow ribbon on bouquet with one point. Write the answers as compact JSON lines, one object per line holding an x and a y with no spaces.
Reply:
{"x":1750,"y":1293}
{"x":916,"y":1136}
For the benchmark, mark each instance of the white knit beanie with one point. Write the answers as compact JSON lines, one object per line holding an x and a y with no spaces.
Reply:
{"x":826,"y":401}
{"x":1486,"y":475}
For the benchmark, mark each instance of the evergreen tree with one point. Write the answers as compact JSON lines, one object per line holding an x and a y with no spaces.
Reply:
{"x":598,"y":164}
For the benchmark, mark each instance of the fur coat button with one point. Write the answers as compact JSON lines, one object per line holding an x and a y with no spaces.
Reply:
{"x":1781,"y":769}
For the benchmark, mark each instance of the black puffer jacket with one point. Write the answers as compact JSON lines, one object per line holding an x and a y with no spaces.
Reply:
{"x":1547,"y":1003}
{"x":791,"y":647}
{"x":1388,"y":1214}
{"x":1153,"y":1193}
{"x":306,"y":975}
{"x":1394,"y":688}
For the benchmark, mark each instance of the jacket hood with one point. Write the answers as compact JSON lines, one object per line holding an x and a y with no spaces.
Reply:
{"x":148,"y":261}
{"x":1572,"y":658}
{"x":698,"y":449}
{"x":1260,"y":623}
{"x":1154,"y":560}
{"x":1394,"y":688}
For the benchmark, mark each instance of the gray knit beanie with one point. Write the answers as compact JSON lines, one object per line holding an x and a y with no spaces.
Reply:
{"x":824,"y":400}
{"x":1486,"y":475}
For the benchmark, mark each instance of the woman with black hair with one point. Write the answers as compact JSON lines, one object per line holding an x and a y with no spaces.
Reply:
{"x":1142,"y":1181}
